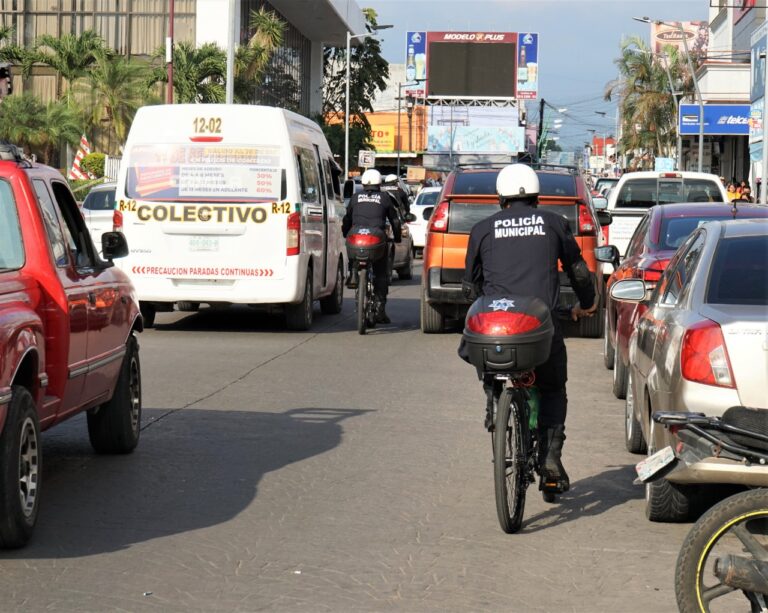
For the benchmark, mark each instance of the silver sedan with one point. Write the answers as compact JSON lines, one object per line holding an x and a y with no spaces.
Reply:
{"x":701,"y":346}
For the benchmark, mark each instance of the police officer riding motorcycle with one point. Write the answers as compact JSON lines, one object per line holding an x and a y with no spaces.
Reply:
{"x":392,"y":187}
{"x":526,"y":263}
{"x":371,"y":209}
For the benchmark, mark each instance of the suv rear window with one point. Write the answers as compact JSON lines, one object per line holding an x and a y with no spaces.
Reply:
{"x":645,"y":193}
{"x":475,"y":182}
{"x":740,"y":272}
{"x":556,"y":184}
{"x":463,"y":216}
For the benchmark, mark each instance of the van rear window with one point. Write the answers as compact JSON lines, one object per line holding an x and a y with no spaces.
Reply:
{"x":180,"y":173}
{"x":645,"y":193}
{"x":465,"y":215}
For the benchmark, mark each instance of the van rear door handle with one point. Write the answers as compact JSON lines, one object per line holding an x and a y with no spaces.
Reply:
{"x":313,"y":210}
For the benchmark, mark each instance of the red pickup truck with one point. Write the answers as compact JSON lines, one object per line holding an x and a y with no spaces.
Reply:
{"x":68,"y":320}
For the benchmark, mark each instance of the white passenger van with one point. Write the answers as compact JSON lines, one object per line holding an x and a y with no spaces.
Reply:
{"x":231,"y":204}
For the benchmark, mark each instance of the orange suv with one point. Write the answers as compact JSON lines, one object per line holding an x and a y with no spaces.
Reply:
{"x":468,"y":196}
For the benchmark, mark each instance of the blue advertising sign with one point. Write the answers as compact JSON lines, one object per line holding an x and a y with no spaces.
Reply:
{"x":719,"y":119}
{"x":757,"y":63}
{"x":416,"y":61}
{"x":528,"y":66}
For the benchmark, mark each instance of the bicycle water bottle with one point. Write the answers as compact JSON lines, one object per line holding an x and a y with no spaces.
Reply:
{"x":533,"y":402}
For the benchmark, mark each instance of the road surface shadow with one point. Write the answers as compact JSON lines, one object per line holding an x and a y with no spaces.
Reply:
{"x":193,"y":469}
{"x":587,"y":498}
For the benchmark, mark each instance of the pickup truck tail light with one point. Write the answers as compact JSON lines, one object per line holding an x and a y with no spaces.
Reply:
{"x":439,"y":220}
{"x":293,"y":227}
{"x":117,"y":221}
{"x":501,"y":323}
{"x":586,"y":223}
{"x":704,"y":357}
{"x":653,"y":273}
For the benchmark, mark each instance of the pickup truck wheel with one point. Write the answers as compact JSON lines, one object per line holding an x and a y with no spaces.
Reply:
{"x":21,"y":465}
{"x":299,"y":316}
{"x":432,"y":320}
{"x":114,"y":427}
{"x":148,"y":312}
{"x":331,"y":305}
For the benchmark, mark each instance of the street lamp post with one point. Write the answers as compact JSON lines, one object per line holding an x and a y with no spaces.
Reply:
{"x":350,"y":36}
{"x":693,"y":76}
{"x":409,"y":110}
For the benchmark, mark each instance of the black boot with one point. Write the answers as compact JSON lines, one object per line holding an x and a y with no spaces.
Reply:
{"x":381,"y":314}
{"x":352,"y":279}
{"x":554,"y":479}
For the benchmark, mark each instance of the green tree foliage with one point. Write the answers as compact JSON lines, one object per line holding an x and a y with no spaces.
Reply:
{"x":38,"y":127}
{"x":647,"y":107}
{"x":93,"y":164}
{"x":199,"y":75}
{"x":10,"y":52}
{"x":369,"y":72}
{"x":254,"y":59}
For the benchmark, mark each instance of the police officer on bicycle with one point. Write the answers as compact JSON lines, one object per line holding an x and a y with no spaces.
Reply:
{"x":526,"y":263}
{"x":370,"y":209}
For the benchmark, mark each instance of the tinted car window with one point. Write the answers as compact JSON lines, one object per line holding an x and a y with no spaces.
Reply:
{"x":427,"y":198}
{"x":644,"y":193}
{"x":605,"y":181}
{"x":101,"y":200}
{"x":680,"y":276}
{"x":11,"y":247}
{"x":675,"y":231}
{"x":475,"y":182}
{"x":740,"y":272}
{"x":463,"y":216}
{"x":554,"y":184}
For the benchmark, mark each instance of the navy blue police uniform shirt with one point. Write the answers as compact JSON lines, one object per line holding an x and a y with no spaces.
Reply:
{"x":371,"y":209}
{"x":516,"y":251}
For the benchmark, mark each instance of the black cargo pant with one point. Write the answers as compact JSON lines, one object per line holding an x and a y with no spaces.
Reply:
{"x":381,"y":279}
{"x":551,"y":377}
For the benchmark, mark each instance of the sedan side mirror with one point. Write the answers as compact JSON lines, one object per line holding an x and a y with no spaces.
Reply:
{"x":427,"y":213}
{"x":604,"y":218}
{"x":601,"y":204}
{"x":608,"y":254}
{"x":628,"y":290}
{"x":113,"y":245}
{"x":410,"y":218}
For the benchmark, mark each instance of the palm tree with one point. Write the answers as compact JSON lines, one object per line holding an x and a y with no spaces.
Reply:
{"x":647,"y":105}
{"x":253,"y":59}
{"x":198,"y":74}
{"x":70,"y":55}
{"x":39,"y":128}
{"x":113,"y":90}
{"x":10,"y":52}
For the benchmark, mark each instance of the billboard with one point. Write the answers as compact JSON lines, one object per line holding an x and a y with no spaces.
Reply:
{"x":463,"y":139}
{"x":696,"y":36}
{"x":472,"y":64}
{"x":719,"y":119}
{"x":528,"y":66}
{"x":757,"y":63}
{"x":416,"y":62}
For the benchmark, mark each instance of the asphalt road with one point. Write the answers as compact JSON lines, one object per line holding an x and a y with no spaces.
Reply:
{"x":326,"y":471}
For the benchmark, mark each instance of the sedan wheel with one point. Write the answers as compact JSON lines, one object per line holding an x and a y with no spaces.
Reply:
{"x":633,"y":436}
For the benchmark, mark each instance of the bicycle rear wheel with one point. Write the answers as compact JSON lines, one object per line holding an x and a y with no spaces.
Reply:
{"x":362,"y":299}
{"x":509,"y":464}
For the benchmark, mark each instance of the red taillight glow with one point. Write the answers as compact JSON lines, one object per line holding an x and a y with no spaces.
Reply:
{"x":704,"y":358}
{"x":653,"y":273}
{"x":502,"y":323}
{"x":363,"y":240}
{"x":117,"y":220}
{"x":439,"y":219}
{"x":293,"y":241}
{"x":586,"y":223}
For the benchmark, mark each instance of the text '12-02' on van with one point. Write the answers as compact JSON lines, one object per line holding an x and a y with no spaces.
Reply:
{"x":231,"y":204}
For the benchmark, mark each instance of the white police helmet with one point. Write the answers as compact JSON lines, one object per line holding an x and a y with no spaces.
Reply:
{"x":390,"y":179}
{"x":371,"y":177}
{"x":517,"y":181}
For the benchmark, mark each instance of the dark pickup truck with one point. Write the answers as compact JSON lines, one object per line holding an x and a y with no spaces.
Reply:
{"x":68,"y":320}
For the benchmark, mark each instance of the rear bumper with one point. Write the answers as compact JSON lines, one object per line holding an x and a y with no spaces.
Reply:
{"x":720,"y":470}
{"x":440,"y":292}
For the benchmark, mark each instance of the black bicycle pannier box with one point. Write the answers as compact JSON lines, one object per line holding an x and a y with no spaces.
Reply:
{"x":507,"y":334}
{"x":366,"y":244}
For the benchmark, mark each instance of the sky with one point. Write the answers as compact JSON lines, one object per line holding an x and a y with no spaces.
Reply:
{"x":578,"y":42}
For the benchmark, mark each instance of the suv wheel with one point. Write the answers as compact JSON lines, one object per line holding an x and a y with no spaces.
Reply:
{"x":432,"y":320}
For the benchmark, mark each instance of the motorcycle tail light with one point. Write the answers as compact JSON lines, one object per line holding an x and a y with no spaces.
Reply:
{"x":293,"y":227}
{"x":439,"y":220}
{"x":502,"y":323}
{"x":704,"y":357}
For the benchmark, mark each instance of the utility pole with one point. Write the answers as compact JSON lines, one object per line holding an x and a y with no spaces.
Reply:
{"x":169,"y":53}
{"x":541,"y":130}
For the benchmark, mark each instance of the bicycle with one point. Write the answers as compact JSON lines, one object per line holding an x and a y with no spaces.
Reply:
{"x":725,"y":554}
{"x":364,"y":247}
{"x":366,"y":301}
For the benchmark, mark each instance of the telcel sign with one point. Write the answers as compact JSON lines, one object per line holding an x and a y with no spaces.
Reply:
{"x":719,"y":119}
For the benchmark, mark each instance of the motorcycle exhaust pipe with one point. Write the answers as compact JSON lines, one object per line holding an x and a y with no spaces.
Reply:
{"x":743,"y":573}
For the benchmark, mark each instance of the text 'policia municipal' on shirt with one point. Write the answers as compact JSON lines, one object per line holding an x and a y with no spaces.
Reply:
{"x":519,"y":227}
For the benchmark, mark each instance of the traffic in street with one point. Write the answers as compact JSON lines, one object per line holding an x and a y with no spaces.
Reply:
{"x":325,"y":470}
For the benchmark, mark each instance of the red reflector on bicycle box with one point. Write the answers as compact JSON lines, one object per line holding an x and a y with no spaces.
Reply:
{"x":363,"y":240}
{"x":501,"y":323}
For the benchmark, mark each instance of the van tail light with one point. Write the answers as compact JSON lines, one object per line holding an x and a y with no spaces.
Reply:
{"x":363,"y":240}
{"x":653,"y":273}
{"x":293,"y":242}
{"x":501,"y":323}
{"x":586,"y":223}
{"x":704,"y":357}
{"x":117,"y":220}
{"x":439,"y":220}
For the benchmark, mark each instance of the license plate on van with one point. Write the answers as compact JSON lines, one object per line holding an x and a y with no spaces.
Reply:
{"x":204,"y":243}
